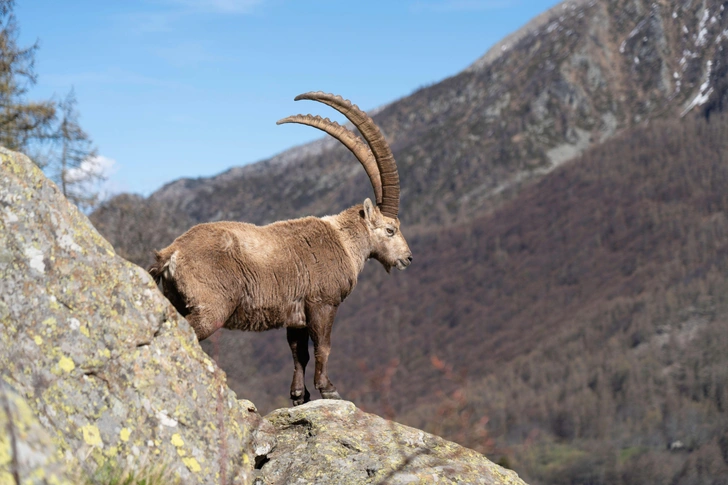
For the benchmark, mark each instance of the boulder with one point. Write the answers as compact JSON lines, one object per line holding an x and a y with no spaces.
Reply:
{"x":333,"y":442}
{"x":109,"y":368}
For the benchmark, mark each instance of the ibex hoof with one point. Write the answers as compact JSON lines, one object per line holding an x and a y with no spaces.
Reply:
{"x":330,"y":395}
{"x":299,"y":397}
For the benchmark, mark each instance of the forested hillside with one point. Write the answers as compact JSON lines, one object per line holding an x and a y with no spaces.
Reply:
{"x":600,"y":297}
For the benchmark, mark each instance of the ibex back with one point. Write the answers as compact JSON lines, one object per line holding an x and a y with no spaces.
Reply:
{"x":294,"y":273}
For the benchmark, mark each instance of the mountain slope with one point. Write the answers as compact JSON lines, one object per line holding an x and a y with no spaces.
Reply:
{"x":600,"y":298}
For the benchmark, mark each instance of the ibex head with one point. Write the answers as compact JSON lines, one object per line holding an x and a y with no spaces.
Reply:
{"x":388,"y":245}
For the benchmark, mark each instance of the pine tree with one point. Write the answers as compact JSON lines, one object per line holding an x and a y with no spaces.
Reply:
{"x":21,"y":121}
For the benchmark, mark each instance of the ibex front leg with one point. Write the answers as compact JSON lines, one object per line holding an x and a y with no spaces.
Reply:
{"x":298,"y":341}
{"x":321,"y":319}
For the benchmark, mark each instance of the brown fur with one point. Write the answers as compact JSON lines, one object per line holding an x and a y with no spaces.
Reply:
{"x":291,"y":274}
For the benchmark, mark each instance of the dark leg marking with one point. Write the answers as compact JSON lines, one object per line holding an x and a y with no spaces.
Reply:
{"x":298,"y":342}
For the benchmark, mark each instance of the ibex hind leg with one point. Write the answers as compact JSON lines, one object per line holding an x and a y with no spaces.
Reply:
{"x":298,"y":342}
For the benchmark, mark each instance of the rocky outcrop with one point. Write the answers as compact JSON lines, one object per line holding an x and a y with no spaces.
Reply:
{"x":333,"y":442}
{"x":110,"y":369}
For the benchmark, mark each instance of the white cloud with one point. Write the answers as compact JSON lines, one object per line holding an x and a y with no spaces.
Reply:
{"x":112,"y":75}
{"x":460,"y":5}
{"x":94,"y":167}
{"x":186,"y":54}
{"x":151,"y":22}
{"x":217,"y":6}
{"x":93,"y":176}
{"x":172,"y":12}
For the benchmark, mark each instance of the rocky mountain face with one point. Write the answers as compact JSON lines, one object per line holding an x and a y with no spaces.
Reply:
{"x":567,"y":318}
{"x":98,"y":372}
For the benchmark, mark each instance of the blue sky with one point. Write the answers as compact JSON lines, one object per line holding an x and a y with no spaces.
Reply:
{"x":189,"y":88}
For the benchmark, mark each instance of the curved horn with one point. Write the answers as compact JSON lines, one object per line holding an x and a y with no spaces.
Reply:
{"x":377,"y":143}
{"x":350,"y":140}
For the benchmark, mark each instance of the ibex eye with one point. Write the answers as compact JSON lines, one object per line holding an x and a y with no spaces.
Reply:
{"x":390,"y":231}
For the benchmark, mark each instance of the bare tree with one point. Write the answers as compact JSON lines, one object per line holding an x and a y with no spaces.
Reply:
{"x":74,"y":163}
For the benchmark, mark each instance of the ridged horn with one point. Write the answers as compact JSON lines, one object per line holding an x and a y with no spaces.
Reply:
{"x":378,"y":144}
{"x":350,"y":141}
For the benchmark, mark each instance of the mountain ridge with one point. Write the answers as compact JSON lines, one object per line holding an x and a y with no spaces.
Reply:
{"x":579,"y":74}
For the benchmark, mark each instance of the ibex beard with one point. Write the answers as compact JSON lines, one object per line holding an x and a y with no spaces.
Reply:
{"x":294,"y":273}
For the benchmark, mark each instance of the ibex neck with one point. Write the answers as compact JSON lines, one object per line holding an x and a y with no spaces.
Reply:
{"x":354,"y":235}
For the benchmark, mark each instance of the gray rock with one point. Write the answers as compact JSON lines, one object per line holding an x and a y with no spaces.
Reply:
{"x":109,"y":368}
{"x":333,"y":442}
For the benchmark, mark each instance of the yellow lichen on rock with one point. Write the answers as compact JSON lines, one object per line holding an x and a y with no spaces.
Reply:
{"x":91,"y":435}
{"x":66,"y":364}
{"x":192,"y":464}
{"x":5,"y":459}
{"x":37,"y":460}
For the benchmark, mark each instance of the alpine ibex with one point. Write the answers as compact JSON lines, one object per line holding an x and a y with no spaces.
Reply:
{"x":293,"y":273}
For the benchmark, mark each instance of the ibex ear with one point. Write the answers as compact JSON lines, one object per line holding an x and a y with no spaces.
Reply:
{"x":369,"y":213}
